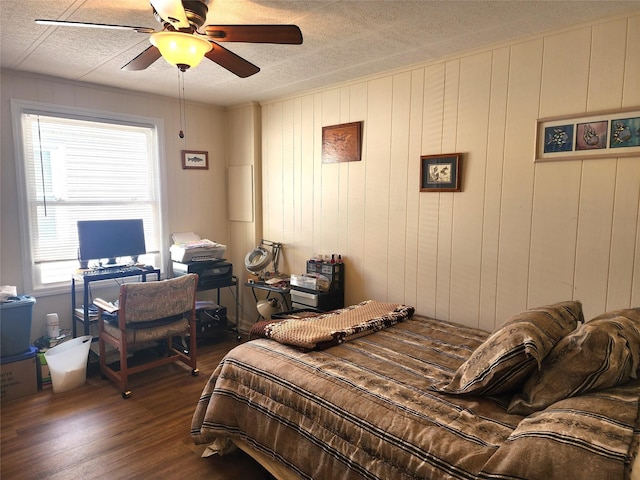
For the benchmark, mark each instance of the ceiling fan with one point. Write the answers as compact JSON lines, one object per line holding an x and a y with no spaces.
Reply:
{"x":183,"y":41}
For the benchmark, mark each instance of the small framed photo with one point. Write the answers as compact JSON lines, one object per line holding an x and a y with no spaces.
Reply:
{"x":195,"y":159}
{"x":441,"y":173}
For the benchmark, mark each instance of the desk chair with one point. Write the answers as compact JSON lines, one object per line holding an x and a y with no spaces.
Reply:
{"x":148,"y":311}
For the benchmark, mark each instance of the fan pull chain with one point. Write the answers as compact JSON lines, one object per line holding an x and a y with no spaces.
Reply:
{"x":44,"y":190}
{"x":181,"y":102}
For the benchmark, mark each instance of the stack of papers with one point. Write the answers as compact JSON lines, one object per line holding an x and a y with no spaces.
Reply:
{"x":189,"y":247}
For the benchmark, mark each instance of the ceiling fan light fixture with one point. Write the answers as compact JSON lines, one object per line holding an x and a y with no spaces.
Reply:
{"x":183,"y":50}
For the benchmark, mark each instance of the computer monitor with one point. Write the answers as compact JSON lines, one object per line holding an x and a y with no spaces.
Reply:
{"x":110,"y":239}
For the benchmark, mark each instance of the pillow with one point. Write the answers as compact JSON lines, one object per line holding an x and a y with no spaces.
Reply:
{"x":592,"y":436}
{"x":508,"y":356}
{"x":630,"y":313}
{"x":602,"y":353}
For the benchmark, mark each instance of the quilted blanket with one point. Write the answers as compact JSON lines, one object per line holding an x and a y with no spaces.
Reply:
{"x":365,"y":410}
{"x":335,"y":327}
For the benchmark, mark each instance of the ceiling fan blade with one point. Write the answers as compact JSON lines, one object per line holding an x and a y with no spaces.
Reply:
{"x":171,"y":11}
{"x":143,"y":60}
{"x":283,"y":34}
{"x":231,"y":61}
{"x":65,"y":23}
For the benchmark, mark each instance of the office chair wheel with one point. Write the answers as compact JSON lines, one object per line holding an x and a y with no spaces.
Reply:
{"x":126,"y":394}
{"x":195,"y":372}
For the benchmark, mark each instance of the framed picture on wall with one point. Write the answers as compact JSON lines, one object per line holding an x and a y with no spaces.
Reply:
{"x":583,"y":136}
{"x":342,"y":143}
{"x":441,"y":173}
{"x":195,"y":159}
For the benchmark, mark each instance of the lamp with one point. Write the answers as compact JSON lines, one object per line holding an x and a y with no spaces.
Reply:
{"x":268,"y":307}
{"x":183,"y":50}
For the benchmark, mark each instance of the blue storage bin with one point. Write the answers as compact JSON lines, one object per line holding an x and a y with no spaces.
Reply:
{"x":30,"y":352}
{"x":15,"y":325}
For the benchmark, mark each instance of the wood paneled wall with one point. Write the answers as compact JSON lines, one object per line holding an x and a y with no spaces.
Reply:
{"x":521,"y":234}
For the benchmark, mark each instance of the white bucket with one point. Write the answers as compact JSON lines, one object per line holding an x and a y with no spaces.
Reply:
{"x":68,"y":363}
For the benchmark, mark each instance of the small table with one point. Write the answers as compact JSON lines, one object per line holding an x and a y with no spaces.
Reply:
{"x":270,"y":289}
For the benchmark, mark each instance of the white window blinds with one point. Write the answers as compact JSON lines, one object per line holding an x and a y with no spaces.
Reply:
{"x":78,"y":169}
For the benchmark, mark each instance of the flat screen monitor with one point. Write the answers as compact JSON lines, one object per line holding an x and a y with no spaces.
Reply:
{"x":100,"y":239}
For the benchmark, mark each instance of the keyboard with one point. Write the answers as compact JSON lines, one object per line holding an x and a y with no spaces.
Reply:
{"x":119,"y":270}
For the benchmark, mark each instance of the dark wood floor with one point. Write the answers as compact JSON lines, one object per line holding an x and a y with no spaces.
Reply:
{"x":92,"y":432}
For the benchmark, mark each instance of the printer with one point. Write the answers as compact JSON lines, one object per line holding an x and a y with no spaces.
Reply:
{"x":192,"y":254}
{"x":189,"y":247}
{"x":211,"y":274}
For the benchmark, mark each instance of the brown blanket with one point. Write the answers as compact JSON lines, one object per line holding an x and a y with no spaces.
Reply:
{"x":335,"y":327}
{"x":364,"y":410}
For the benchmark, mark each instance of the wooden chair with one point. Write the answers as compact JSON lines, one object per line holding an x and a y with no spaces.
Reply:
{"x":148,"y":312}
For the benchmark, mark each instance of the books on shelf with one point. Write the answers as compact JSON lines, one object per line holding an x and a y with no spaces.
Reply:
{"x":93,"y":314}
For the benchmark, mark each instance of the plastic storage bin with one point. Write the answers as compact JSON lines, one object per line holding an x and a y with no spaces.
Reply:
{"x":68,"y":363}
{"x":15,"y":325}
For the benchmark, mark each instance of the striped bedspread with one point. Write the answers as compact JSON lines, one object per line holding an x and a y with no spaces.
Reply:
{"x":364,"y":410}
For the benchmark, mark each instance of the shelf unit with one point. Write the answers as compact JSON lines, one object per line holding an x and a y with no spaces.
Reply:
{"x":208,"y":281}
{"x":333,"y":298}
{"x":333,"y":271}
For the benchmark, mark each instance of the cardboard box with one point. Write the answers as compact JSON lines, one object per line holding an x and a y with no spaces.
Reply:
{"x":18,"y":377}
{"x":44,"y":374}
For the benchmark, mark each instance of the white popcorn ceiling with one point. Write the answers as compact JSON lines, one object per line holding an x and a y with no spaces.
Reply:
{"x":343,"y":40}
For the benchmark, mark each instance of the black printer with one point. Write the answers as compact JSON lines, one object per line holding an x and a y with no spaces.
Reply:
{"x":211,"y":273}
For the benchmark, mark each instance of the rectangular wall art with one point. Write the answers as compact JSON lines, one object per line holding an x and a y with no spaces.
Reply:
{"x":342,"y":143}
{"x":195,"y":159}
{"x":441,"y":173}
{"x":596,"y":135}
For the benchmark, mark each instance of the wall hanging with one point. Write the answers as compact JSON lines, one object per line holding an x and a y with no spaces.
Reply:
{"x":595,"y":135}
{"x":195,"y":159}
{"x":441,"y":173}
{"x":342,"y":143}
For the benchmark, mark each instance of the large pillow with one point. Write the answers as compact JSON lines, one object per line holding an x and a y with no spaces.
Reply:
{"x":508,"y":356}
{"x":602,"y":353}
{"x":593,"y":436}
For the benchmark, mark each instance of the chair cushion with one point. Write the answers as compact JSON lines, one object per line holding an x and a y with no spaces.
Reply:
{"x":112,"y":318}
{"x":138,"y":335}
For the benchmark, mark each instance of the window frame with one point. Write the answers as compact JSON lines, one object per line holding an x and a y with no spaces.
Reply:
{"x":20,"y":107}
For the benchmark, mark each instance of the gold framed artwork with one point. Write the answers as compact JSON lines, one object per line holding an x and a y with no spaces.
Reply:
{"x":441,"y":173}
{"x":595,"y":135}
{"x":342,"y":143}
{"x":195,"y":159}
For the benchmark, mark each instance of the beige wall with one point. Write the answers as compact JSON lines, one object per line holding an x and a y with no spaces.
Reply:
{"x":197,"y":200}
{"x":520,"y":234}
{"x":245,"y":226}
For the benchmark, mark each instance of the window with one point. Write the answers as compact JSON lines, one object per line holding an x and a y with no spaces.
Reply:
{"x":79,"y":165}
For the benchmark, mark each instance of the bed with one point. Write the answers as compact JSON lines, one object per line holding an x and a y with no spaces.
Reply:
{"x":411,"y":397}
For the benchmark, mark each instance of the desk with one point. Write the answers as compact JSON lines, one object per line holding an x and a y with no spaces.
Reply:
{"x":81,"y":314}
{"x":283,"y":292}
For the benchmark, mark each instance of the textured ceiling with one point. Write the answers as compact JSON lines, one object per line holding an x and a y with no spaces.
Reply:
{"x":343,"y":40}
